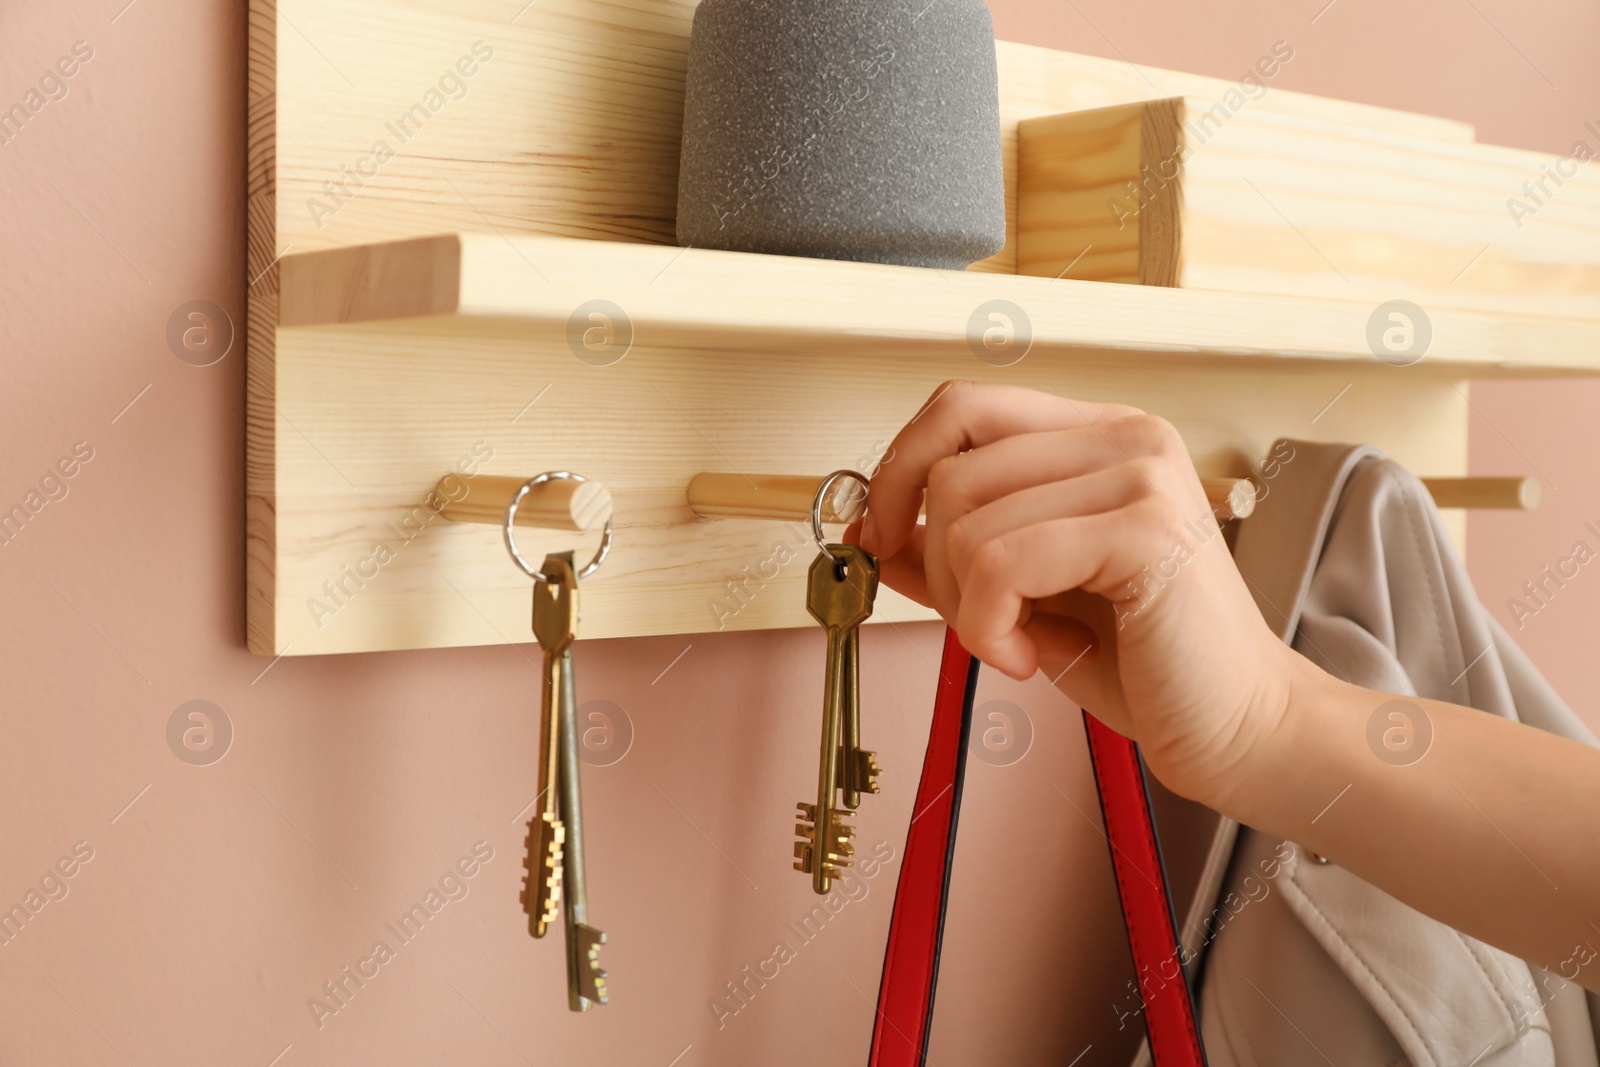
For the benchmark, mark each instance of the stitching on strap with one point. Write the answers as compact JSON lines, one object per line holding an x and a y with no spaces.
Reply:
{"x":1152,"y":857}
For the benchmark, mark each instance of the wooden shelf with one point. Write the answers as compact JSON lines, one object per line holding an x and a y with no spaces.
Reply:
{"x":400,"y":362}
{"x":433,"y":194}
{"x":531,"y":285}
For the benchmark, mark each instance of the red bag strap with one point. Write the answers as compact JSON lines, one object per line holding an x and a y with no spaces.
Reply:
{"x":1147,"y":911}
{"x":916,"y":927}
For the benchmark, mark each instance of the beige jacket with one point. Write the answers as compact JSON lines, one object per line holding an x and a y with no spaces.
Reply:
{"x":1300,"y":962}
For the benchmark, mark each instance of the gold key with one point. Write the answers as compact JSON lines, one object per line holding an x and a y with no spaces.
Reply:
{"x":555,"y":623}
{"x":839,"y":593}
{"x":586,"y":981}
{"x":858,"y":766}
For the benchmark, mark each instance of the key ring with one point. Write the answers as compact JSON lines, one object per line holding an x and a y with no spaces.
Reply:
{"x":822,"y":494}
{"x":511,"y":537}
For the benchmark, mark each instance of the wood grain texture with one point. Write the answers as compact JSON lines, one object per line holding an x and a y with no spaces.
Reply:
{"x":570,"y":121}
{"x":370,"y":123}
{"x":1161,"y":216}
{"x":261,"y":324}
{"x":1253,"y":201}
{"x":536,"y":287}
{"x":784,"y":497}
{"x":1037,"y":82}
{"x":353,"y":490}
{"x":1073,"y":167}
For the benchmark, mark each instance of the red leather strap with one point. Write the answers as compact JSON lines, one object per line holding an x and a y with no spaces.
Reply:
{"x":1146,"y":906}
{"x":911,"y":962}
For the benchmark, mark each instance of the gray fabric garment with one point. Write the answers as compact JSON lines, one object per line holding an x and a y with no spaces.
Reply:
{"x":1347,"y":559}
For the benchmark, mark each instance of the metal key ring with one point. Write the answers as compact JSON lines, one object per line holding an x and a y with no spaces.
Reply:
{"x":511,"y":517}
{"x":822,"y":494}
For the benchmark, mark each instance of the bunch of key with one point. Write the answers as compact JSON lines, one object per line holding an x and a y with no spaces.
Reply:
{"x":840,"y":589}
{"x":555,"y":833}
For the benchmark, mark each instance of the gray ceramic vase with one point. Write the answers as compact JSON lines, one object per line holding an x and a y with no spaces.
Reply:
{"x":843,"y":129}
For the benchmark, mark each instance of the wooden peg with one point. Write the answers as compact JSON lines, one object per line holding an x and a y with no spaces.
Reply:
{"x":562,"y":504}
{"x":1231,"y":498}
{"x":1235,"y":498}
{"x":786,"y":497}
{"x":1516,"y":494}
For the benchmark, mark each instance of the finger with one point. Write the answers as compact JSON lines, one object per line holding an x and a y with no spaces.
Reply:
{"x":1078,"y":654}
{"x":1104,"y":490}
{"x":989,"y":472}
{"x":1133,"y":445}
{"x":904,"y":571}
{"x":1069,"y":656}
{"x":959,"y":416}
{"x":1091,"y":552}
{"x":901,"y":572}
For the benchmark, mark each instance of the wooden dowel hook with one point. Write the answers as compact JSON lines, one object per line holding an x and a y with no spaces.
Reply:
{"x":1235,"y":498}
{"x":784,"y":497}
{"x":1231,"y":498}
{"x":1515,"y":494}
{"x":561,"y":504}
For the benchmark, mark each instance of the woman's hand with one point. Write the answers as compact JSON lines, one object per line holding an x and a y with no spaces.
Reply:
{"x":1075,"y":537}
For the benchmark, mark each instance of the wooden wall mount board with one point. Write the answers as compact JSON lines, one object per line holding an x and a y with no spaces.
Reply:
{"x":350,"y":426}
{"x":1164,"y":193}
{"x":467,"y":283}
{"x":384,"y":413}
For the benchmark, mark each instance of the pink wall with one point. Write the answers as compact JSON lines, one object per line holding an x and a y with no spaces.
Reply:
{"x":1550,"y":431}
{"x":220,"y":898}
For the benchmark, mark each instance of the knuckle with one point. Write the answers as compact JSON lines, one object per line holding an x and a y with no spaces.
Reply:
{"x":1122,"y":411}
{"x":1146,"y":434}
{"x":1170,"y":441}
{"x":943,"y":474}
{"x":1150,"y":483}
{"x":958,"y":538}
{"x":1157,"y":522}
{"x":1150,"y":473}
{"x":957,"y":547}
{"x":991,"y":561}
